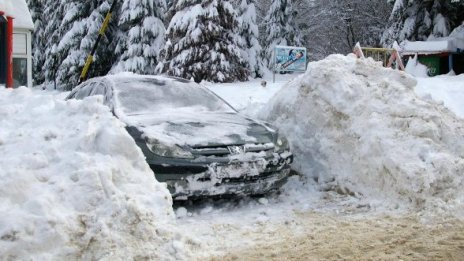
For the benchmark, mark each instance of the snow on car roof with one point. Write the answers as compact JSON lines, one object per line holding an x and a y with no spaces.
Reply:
{"x":183,"y":113}
{"x":19,"y":10}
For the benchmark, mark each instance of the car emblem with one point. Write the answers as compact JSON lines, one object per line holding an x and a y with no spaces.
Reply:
{"x":236,"y":149}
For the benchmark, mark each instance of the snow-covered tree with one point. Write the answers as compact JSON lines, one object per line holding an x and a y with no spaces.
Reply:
{"x":279,"y":28}
{"x":38,"y":40}
{"x":248,"y":31}
{"x":203,"y":44}
{"x":336,"y":26}
{"x":141,"y":36}
{"x":417,"y":20}
{"x":80,"y":26}
{"x":54,"y":13}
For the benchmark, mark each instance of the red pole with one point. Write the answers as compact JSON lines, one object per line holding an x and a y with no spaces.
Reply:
{"x":9,"y":53}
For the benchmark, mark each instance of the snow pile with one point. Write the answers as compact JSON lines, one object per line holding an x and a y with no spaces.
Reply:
{"x":415,"y":68}
{"x":73,"y":185}
{"x":444,"y":88}
{"x":359,"y":129}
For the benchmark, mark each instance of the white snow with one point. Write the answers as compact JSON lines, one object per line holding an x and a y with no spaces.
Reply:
{"x":373,"y":144}
{"x":19,"y":11}
{"x":431,"y":47}
{"x":176,"y":113}
{"x":360,"y":128}
{"x":436,"y":45}
{"x":415,"y":68}
{"x":75,"y":186}
{"x":446,"y":89}
{"x":249,"y":97}
{"x":235,"y":225}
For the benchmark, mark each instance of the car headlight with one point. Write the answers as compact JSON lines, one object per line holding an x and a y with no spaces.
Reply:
{"x":171,"y":151}
{"x":282,"y":144}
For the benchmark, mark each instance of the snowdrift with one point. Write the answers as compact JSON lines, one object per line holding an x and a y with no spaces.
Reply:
{"x":73,"y":185}
{"x":361,"y":129}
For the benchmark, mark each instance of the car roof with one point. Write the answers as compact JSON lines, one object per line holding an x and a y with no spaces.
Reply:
{"x":112,"y":78}
{"x":127,"y":75}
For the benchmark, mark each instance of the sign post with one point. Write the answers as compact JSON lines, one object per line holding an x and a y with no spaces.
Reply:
{"x":289,"y":59}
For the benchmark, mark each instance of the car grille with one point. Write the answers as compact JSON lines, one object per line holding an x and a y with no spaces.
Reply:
{"x":226,"y":150}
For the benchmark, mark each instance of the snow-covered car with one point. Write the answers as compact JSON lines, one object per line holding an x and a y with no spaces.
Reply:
{"x":192,"y":139}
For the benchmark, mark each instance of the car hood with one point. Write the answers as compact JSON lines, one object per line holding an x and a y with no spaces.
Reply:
{"x":198,"y":129}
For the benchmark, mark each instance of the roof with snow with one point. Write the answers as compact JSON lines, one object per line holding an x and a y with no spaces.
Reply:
{"x":19,"y":10}
{"x":449,"y":44}
{"x":432,"y":47}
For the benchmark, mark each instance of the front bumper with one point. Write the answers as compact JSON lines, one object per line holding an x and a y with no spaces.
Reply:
{"x":196,"y":179}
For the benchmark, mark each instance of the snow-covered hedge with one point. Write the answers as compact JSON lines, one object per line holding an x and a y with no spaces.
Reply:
{"x":361,"y":128}
{"x":73,"y":185}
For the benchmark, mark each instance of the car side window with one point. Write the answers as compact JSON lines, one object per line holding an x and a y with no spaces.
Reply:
{"x":86,"y":91}
{"x":91,"y":89}
{"x":81,"y":92}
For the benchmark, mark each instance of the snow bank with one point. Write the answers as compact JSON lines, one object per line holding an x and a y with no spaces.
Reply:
{"x":444,"y":88}
{"x":415,"y":68}
{"x":73,"y":185}
{"x":359,"y":128}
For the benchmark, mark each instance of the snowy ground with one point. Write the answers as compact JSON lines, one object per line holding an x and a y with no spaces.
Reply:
{"x":412,"y":213}
{"x":339,"y":220}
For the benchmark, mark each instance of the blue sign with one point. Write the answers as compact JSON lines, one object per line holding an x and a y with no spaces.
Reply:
{"x":290,"y":59}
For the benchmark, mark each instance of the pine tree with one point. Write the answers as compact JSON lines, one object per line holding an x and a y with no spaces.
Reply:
{"x":54,"y":12}
{"x":38,"y":40}
{"x":280,"y":28}
{"x":141,"y":36}
{"x":202,"y":42}
{"x":80,"y":28}
{"x":249,"y":33}
{"x":417,"y":20}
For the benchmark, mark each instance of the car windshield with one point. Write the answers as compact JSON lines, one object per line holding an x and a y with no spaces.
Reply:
{"x":148,"y":95}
